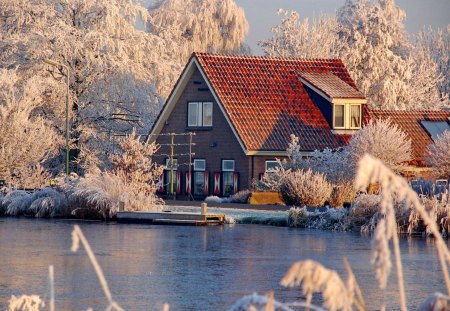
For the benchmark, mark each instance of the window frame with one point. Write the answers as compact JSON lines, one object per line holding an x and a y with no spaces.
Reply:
{"x":228,"y":170}
{"x":175,"y":164}
{"x":199,"y":170}
{"x":200,"y":115}
{"x":265,"y":165}
{"x":343,"y":116}
{"x":360,"y":116}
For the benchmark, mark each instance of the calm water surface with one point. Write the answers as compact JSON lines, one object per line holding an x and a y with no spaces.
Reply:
{"x":192,"y":268}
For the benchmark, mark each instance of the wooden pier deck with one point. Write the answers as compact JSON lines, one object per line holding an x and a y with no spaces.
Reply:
{"x":171,"y":218}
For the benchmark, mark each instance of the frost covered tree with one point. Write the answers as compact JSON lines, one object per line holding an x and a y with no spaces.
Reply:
{"x":381,"y":60}
{"x":439,"y":154}
{"x":369,"y":37}
{"x":121,"y":56}
{"x":296,"y":38}
{"x":200,"y":25}
{"x":437,"y":44}
{"x":383,"y":140}
{"x":27,"y":139}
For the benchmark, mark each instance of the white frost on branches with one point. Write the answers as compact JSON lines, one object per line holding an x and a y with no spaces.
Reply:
{"x":26,"y":138}
{"x":296,"y":38}
{"x":383,"y":140}
{"x":369,"y":37}
{"x":439,"y":154}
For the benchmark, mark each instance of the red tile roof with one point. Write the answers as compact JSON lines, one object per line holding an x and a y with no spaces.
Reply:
{"x":266,"y":102}
{"x":330,"y":85}
{"x":409,"y":122}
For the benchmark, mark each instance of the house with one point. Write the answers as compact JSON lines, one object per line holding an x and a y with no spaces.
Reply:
{"x":422,"y":127}
{"x":232,"y":116}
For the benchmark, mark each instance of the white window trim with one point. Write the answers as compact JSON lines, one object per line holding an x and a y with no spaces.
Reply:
{"x":350,"y":116}
{"x":199,"y":112}
{"x":269,"y":161}
{"x":204,"y":165}
{"x":228,"y":170}
{"x":347,"y":116}
{"x":334,"y":118}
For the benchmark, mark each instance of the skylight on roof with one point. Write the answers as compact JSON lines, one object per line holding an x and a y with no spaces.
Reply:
{"x":435,"y":128}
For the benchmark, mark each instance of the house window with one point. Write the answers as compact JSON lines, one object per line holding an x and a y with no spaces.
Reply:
{"x":199,"y":165}
{"x":168,"y":164}
{"x":227,"y":177}
{"x":355,"y":116}
{"x":200,"y":114}
{"x":271,"y":165}
{"x":347,"y":116}
{"x":339,"y":116}
{"x":227,"y":165}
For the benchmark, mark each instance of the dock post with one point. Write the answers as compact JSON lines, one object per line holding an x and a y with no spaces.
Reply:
{"x":121,"y":206}
{"x":204,"y":209}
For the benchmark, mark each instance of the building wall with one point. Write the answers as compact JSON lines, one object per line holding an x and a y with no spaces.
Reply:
{"x":213,"y":144}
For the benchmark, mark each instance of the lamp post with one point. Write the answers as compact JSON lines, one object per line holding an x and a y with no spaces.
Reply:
{"x":55,"y":64}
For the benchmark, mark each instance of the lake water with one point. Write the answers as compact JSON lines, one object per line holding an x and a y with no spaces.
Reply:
{"x":191,"y":268}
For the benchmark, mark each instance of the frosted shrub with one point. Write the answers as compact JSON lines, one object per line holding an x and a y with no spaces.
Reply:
{"x":17,"y":202}
{"x":439,"y":154}
{"x":343,"y":192}
{"x":48,"y":202}
{"x":364,"y":207}
{"x":132,"y":181}
{"x":302,"y":188}
{"x":240,"y":197}
{"x":383,"y":140}
{"x":297,"y":217}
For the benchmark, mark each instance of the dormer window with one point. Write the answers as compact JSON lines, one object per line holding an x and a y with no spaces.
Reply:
{"x":200,"y":114}
{"x":347,"y":116}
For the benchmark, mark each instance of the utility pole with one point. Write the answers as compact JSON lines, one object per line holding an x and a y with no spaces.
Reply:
{"x":190,"y":165}
{"x":171,"y":166}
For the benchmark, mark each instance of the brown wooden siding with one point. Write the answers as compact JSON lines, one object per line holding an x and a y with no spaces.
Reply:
{"x":213,"y":145}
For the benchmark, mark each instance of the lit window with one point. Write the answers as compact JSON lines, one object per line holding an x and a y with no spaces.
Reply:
{"x":339,"y":116}
{"x":199,"y":165}
{"x":355,"y":116}
{"x":228,"y":165}
{"x":200,"y":114}
{"x":207,"y":114}
{"x":272,"y":166}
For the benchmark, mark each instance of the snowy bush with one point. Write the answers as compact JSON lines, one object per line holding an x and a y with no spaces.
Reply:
{"x":303,"y":187}
{"x":239,"y":197}
{"x":17,"y":203}
{"x":49,"y":202}
{"x":343,"y":192}
{"x":439,"y":154}
{"x":324,"y":219}
{"x":364,"y":207}
{"x":383,"y":140}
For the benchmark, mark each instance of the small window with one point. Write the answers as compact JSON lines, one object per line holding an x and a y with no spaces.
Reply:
{"x":199,"y":165}
{"x":355,"y":114}
{"x":272,"y":165}
{"x":200,"y":114}
{"x":193,"y":114}
{"x":207,"y":114}
{"x":339,"y":113}
{"x":175,"y":164}
{"x":228,"y":165}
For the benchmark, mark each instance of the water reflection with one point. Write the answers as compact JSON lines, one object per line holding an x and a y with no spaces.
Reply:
{"x":192,"y":268}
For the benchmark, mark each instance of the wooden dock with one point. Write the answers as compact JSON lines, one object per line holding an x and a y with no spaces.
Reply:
{"x":171,"y":218}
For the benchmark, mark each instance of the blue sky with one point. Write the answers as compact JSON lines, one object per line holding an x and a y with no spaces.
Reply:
{"x":262,"y":14}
